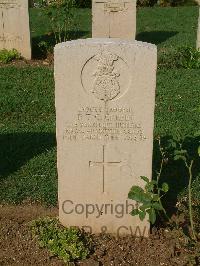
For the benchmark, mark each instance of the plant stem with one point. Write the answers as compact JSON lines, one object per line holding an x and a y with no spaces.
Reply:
{"x":159,"y":175}
{"x":162,"y":161}
{"x":190,"y":198}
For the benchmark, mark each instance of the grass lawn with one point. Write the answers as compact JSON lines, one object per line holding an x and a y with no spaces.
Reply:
{"x":28,"y":154}
{"x":166,"y":27}
{"x":27,"y":113}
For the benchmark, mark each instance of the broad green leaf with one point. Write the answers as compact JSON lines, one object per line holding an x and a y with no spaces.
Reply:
{"x":152,"y":215}
{"x":179,"y":157}
{"x":156,"y":197}
{"x":142,"y":215}
{"x":136,"y":189}
{"x":157,"y":206}
{"x":134,"y":212}
{"x":136,"y":197}
{"x":145,"y":206}
{"x":172,"y":143}
{"x":146,"y":197}
{"x":149,"y":187}
{"x":165,"y":187}
{"x":136,"y":193}
{"x":199,"y":150}
{"x":180,"y":152}
{"x":145,"y":179}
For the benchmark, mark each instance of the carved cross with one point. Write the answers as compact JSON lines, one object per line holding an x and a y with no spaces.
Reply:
{"x":103,"y":164}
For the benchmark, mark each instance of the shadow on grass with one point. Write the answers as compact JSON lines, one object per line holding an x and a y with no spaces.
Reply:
{"x":155,"y":37}
{"x":18,"y":148}
{"x":174,"y":172}
{"x":40,"y":52}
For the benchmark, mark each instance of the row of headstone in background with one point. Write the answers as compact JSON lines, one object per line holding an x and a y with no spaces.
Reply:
{"x":111,"y":19}
{"x":114,"y":19}
{"x":105,"y":93}
{"x":14,"y":26}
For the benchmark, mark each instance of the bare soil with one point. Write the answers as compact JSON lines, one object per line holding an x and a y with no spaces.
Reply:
{"x":18,"y":248}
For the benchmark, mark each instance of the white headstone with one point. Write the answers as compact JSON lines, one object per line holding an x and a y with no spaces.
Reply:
{"x":114,"y":19}
{"x":14,"y":26}
{"x":105,"y":93}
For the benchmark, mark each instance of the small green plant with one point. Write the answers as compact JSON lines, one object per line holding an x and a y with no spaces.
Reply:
{"x":182,"y":57}
{"x":174,"y":3}
{"x":62,"y":19}
{"x":182,"y":151}
{"x":189,"y":57}
{"x":149,"y":197}
{"x":45,"y":48}
{"x":7,"y":56}
{"x":69,"y":244}
{"x":38,"y":3}
{"x":167,"y":58}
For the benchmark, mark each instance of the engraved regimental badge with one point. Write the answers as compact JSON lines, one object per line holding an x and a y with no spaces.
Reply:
{"x":105,"y":76}
{"x":106,"y":86}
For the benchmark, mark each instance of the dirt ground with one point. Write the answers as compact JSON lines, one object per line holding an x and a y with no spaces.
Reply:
{"x":18,"y":248}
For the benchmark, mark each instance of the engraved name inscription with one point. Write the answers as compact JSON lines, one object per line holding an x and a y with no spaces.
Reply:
{"x":9,"y":38}
{"x":114,"y":7}
{"x":93,"y":123}
{"x":9,"y":4}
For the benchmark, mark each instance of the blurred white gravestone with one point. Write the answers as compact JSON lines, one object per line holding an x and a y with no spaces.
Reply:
{"x":14,"y":26}
{"x":114,"y":19}
{"x":105,"y":96}
{"x":198,"y":32}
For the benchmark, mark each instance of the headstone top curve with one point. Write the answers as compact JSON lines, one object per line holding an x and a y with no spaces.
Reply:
{"x":105,"y":41}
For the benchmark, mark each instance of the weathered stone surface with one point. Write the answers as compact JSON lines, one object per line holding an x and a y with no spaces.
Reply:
{"x":114,"y":19}
{"x":105,"y":91}
{"x":14,"y":26}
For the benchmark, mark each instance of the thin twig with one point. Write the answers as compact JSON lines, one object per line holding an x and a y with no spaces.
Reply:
{"x":190,"y":199}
